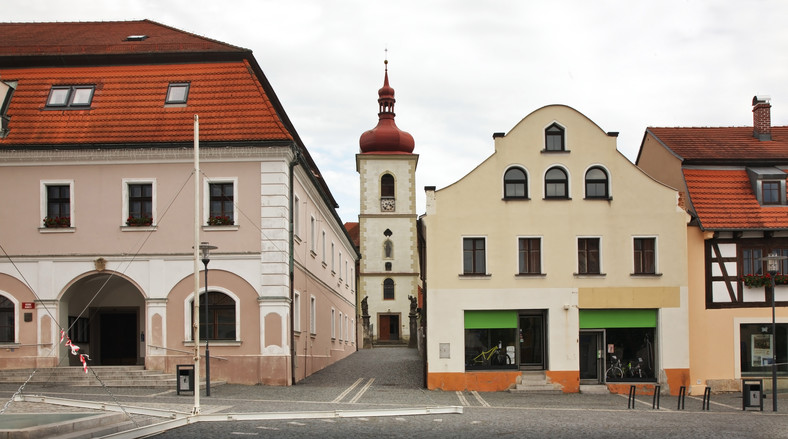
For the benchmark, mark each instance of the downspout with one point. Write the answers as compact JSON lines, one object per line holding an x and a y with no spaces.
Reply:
{"x":291,"y":258}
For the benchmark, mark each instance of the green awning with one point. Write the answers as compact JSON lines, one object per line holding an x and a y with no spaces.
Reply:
{"x":618,"y":318}
{"x":497,"y":319}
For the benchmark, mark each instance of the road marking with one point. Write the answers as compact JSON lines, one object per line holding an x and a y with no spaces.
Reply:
{"x":348,"y":390}
{"x":480,"y":399}
{"x":296,"y":423}
{"x":262,"y":427}
{"x":362,"y":391}
{"x":463,"y":400}
{"x":241,"y":433}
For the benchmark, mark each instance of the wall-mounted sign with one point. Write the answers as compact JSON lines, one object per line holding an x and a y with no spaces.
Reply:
{"x":28,"y":305}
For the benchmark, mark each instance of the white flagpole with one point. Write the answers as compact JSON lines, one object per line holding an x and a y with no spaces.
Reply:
{"x":196,"y":247}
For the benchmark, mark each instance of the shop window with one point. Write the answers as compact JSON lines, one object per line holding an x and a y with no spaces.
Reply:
{"x":630,"y":354}
{"x":757,"y":344}
{"x":490,"y":338}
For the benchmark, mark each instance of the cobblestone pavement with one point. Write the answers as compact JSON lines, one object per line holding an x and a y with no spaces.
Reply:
{"x":392,"y":379}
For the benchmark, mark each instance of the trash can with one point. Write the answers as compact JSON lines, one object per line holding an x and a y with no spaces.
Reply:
{"x":751,"y":394}
{"x":185,"y":375}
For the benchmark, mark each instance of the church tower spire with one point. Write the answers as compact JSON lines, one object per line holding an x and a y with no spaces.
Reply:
{"x":386,"y":137}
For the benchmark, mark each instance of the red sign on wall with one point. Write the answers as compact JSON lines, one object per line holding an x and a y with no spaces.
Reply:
{"x":28,"y":305}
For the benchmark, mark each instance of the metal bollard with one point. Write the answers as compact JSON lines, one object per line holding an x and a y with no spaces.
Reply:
{"x":655,"y":401}
{"x":631,"y":401}
{"x":706,"y":399}
{"x":682,"y":395}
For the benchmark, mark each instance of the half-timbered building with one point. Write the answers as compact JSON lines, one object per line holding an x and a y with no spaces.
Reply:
{"x":733,"y":184}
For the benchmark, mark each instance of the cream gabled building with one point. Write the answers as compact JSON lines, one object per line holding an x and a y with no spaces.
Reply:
{"x":389,"y":269}
{"x":563,"y":253}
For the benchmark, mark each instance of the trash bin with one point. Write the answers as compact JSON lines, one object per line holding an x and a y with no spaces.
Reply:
{"x":752,"y":394}
{"x":185,"y":375}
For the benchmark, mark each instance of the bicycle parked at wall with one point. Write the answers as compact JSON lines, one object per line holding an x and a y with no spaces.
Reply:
{"x":615,"y":371}
{"x":494,"y":356}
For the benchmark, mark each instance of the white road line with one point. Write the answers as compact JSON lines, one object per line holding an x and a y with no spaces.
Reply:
{"x":463,"y":400}
{"x":348,"y":390}
{"x":480,"y":399}
{"x":362,"y":391}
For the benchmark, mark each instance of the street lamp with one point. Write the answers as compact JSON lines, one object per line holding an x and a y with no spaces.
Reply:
{"x":773,"y":267}
{"x":206,"y":250}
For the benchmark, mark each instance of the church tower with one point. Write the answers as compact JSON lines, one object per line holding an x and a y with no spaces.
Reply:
{"x":389,"y":266}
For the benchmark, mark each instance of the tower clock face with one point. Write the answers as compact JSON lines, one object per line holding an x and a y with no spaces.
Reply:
{"x":387,"y":205}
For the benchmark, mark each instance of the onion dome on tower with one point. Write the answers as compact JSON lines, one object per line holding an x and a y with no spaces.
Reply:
{"x":386,"y":138}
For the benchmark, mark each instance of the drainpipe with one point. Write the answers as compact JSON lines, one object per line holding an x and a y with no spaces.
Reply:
{"x":293,"y":353}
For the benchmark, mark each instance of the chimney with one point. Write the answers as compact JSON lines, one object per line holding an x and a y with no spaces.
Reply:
{"x":761,"y":117}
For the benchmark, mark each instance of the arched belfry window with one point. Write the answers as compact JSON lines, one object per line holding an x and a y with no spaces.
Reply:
{"x":515,"y":183}
{"x":556,"y":183}
{"x":597,"y":183}
{"x":388,"y":289}
{"x":387,"y":193}
{"x":554,"y":138}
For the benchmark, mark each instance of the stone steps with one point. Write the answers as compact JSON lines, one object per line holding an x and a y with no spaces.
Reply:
{"x":535,"y":382}
{"x":111,"y":376}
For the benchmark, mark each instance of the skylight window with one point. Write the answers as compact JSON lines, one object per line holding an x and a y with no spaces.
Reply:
{"x":177,"y":93}
{"x":70,"y":96}
{"x":136,"y":38}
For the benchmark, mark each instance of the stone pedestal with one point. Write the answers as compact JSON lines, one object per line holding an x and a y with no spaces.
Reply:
{"x":367,"y":332}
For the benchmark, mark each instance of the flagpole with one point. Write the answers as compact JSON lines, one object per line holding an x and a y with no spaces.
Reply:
{"x":196,"y":248}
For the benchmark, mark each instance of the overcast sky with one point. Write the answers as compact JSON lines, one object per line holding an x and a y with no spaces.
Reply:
{"x":463,"y":70}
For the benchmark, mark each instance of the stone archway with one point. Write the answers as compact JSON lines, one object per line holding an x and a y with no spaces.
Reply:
{"x":105,"y":314}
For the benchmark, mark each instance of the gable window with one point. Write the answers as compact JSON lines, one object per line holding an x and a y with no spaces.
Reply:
{"x":473,"y":256}
{"x":387,"y":202}
{"x":388,"y":289}
{"x":645,"y":255}
{"x":556,"y":184}
{"x":588,"y":256}
{"x":530,"y":258}
{"x":554,"y":138}
{"x":70,"y":96}
{"x":597,"y":183}
{"x":177,"y":93}
{"x":140,"y":204}
{"x":221,"y":202}
{"x":515,"y":184}
{"x":771,"y":192}
{"x":57,"y":199}
{"x":7,"y":320}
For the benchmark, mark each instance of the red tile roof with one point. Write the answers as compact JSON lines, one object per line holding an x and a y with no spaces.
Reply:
{"x":109,"y":37}
{"x":723,"y":200}
{"x":353,"y":232}
{"x":725,"y":143}
{"x":128,"y":105}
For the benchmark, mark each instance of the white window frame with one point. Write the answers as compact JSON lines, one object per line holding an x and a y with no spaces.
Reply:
{"x":312,"y":233}
{"x":333,"y":259}
{"x":333,"y":323}
{"x":341,"y":332}
{"x":324,"y":247}
{"x":656,"y":252}
{"x":188,"y":307}
{"x":609,"y":179}
{"x":13,"y":300}
{"x":312,"y":315}
{"x":125,"y":190}
{"x":296,"y":216}
{"x":297,"y":311}
{"x":71,"y":202}
{"x":206,"y":197}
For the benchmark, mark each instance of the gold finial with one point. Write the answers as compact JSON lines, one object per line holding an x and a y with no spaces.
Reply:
{"x":386,"y":60}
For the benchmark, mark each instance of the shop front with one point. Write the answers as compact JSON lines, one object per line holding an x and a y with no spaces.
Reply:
{"x":505,"y":339}
{"x":617,"y":345}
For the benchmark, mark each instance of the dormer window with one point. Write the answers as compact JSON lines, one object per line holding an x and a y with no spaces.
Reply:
{"x":177,"y":93}
{"x":70,"y":96}
{"x":768,"y":185}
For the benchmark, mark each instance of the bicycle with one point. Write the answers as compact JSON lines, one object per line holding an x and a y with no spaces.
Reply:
{"x":614,"y":371}
{"x":494,"y":356}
